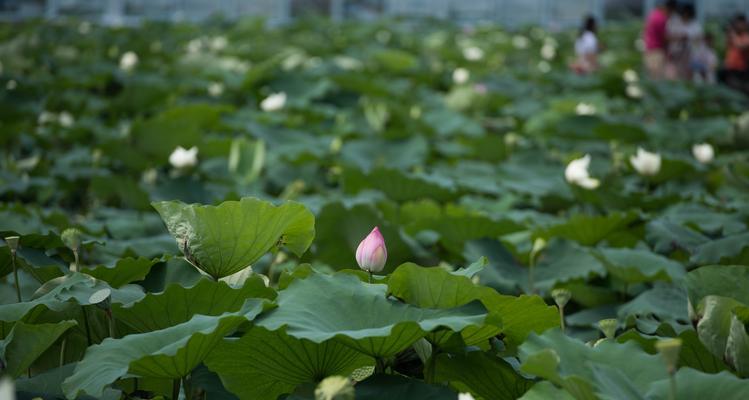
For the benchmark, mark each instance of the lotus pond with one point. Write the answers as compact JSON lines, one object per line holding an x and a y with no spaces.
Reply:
{"x":182,"y":205}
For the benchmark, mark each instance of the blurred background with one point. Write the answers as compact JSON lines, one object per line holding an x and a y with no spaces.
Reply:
{"x":551,"y":14}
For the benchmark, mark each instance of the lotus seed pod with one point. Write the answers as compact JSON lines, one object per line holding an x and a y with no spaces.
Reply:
{"x":561,"y":297}
{"x":335,"y":388}
{"x":12,"y":242}
{"x":669,"y":349}
{"x":72,"y":238}
{"x":608,"y":327}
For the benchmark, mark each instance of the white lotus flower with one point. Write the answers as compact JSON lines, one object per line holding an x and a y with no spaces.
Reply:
{"x":219,"y":43}
{"x":128,"y":61}
{"x":645,"y":162}
{"x":577,"y":173}
{"x":634,"y":91}
{"x":46,"y":117}
{"x":216,"y":89}
{"x":11,"y":85}
{"x":184,"y":158}
{"x":520,"y":42}
{"x":473,"y":53}
{"x":465,"y":396}
{"x":630,"y":76}
{"x":585,"y":109}
{"x":65,"y":119}
{"x":544,"y":66}
{"x":194,"y":46}
{"x":703,"y":152}
{"x":548,"y":51}
{"x":274,"y":102}
{"x":461,"y":75}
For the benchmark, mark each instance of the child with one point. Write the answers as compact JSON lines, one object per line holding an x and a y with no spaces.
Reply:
{"x":704,"y":61}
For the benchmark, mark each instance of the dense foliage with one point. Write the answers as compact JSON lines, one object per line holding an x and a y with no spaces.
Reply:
{"x":133,"y":259}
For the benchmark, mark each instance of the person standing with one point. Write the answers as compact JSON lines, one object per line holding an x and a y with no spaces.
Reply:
{"x":655,"y":38}
{"x":586,"y":47}
{"x":683,"y":33}
{"x":735,"y":71}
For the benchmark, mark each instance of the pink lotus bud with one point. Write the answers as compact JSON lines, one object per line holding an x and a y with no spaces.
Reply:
{"x":372,"y":253}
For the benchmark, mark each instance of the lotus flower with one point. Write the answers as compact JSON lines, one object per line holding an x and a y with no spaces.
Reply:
{"x":576,"y":173}
{"x":630,"y":76}
{"x":184,"y":158}
{"x":473,"y":53}
{"x":634,"y":91}
{"x":274,"y":102}
{"x":645,"y":162}
{"x":128,"y":61}
{"x":372,"y":253}
{"x":465,"y":396}
{"x":585,"y":109}
{"x":704,"y":153}
{"x":461,"y":75}
{"x":215,"y":89}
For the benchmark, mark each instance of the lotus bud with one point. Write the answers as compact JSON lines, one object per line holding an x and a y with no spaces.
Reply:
{"x":335,"y":388}
{"x":704,"y":153}
{"x":608,"y":327}
{"x":372,"y":253}
{"x":577,"y":173}
{"x":465,"y":396}
{"x":645,"y":162}
{"x":274,"y":102}
{"x":585,"y":109}
{"x":561,"y":297}
{"x":630,"y":76}
{"x":7,"y":387}
{"x":538,"y":246}
{"x":71,"y":237}
{"x":184,"y":158}
{"x":12,"y":242}
{"x":669,"y":349}
{"x":473,"y":53}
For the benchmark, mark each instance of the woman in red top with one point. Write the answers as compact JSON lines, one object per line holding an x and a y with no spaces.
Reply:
{"x":735,"y":71}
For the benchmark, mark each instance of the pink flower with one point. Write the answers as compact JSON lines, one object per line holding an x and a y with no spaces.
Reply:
{"x":372,"y":253}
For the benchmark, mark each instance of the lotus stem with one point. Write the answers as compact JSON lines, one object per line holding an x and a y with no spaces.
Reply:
{"x":370,"y":276}
{"x":85,"y":322}
{"x":175,"y":388}
{"x":75,"y":265}
{"x":672,"y":381}
{"x":15,"y":274}
{"x":110,"y":323}
{"x":561,"y":318}
{"x":62,"y":351}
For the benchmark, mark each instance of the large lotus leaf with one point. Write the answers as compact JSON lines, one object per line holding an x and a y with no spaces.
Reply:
{"x":737,"y":346}
{"x":398,"y":185}
{"x":589,"y":229}
{"x":637,"y":265}
{"x":706,"y":219}
{"x":26,"y":342}
{"x":397,"y":387}
{"x":668,"y":302}
{"x":224,"y":239}
{"x":62,"y":292}
{"x":693,"y":353}
{"x":721,"y":280}
{"x":167,"y":353}
{"x":178,"y":304}
{"x":730,"y":249}
{"x":359,"y":314}
{"x":125,"y":271}
{"x":264,"y":364}
{"x":695,"y":385}
{"x":561,"y":262}
{"x":438,"y":288}
{"x":667,"y":236}
{"x":546,"y":390}
{"x":455,"y":230}
{"x":481,"y":374}
{"x":567,"y":362}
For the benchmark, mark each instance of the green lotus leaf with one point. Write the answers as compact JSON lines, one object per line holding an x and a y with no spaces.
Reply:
{"x":635,"y":265}
{"x":224,"y":239}
{"x":481,"y":374}
{"x":341,"y":306}
{"x":26,"y":342}
{"x":60,"y":293}
{"x":720,"y":280}
{"x":264,"y":364}
{"x":397,"y":387}
{"x":178,"y":304}
{"x":125,"y":271}
{"x":167,"y":353}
